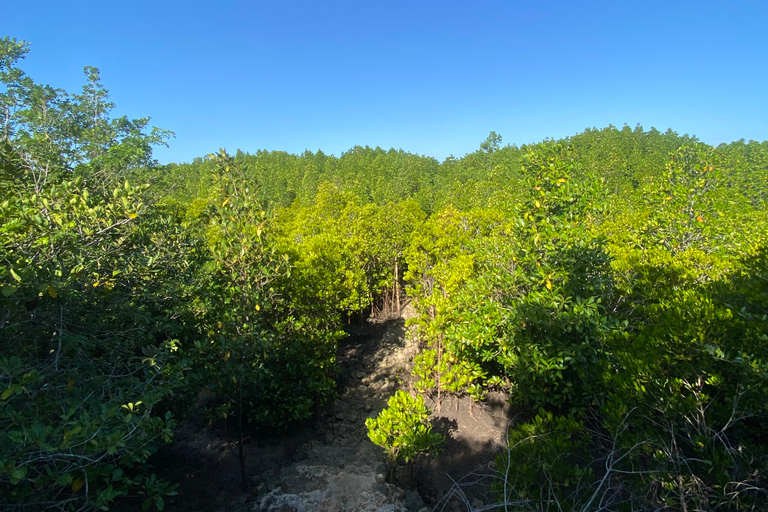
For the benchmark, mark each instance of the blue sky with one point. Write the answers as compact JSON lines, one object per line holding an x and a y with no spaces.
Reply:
{"x":429,"y":77}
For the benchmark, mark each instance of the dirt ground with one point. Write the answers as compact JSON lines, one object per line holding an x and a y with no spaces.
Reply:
{"x":330,"y":464}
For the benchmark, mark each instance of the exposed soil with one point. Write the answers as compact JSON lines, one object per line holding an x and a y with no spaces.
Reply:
{"x":331,"y":465}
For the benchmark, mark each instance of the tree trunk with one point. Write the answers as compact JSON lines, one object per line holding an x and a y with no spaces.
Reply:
{"x":391,"y":307}
{"x":240,"y":447}
{"x":391,"y":469}
{"x":439,"y":375}
{"x":397,"y":288}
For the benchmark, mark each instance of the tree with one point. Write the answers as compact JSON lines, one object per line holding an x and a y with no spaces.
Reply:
{"x":82,"y":372}
{"x":492,"y":143}
{"x":62,"y":134}
{"x":237,"y":286}
{"x":65,"y":253}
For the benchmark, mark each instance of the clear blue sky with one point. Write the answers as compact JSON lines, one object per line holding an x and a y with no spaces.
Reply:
{"x":428,"y":77}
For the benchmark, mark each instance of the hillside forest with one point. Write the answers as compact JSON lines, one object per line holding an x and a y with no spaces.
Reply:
{"x":614,"y":284}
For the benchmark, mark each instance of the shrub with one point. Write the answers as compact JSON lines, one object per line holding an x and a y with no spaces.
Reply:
{"x":403,"y":429}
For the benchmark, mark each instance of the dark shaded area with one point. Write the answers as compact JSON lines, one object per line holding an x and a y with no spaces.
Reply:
{"x":364,"y":342}
{"x":461,"y":476}
{"x":202,"y":461}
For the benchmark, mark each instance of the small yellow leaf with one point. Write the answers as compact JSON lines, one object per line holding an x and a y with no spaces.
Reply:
{"x":537,"y":204}
{"x":52,"y":292}
{"x":132,"y":216}
{"x":561,"y":180}
{"x":70,"y":384}
{"x":668,"y":198}
{"x":95,"y":284}
{"x":78,"y":484}
{"x":549,"y":284}
{"x":257,"y":307}
{"x":225,"y":202}
{"x":219,"y":325}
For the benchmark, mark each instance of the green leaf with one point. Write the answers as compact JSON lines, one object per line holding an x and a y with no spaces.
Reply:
{"x":78,"y":484}
{"x":18,"y":473}
{"x":64,"y":479}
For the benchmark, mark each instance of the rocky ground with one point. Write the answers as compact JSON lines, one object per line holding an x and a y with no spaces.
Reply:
{"x":341,"y":469}
{"x":332,"y":465}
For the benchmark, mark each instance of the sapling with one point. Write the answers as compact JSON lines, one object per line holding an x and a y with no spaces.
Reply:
{"x":404,"y":431}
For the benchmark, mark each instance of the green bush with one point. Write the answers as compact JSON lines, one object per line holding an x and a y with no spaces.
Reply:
{"x":403,"y":429}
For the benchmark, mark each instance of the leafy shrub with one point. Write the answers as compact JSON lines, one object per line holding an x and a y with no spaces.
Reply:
{"x":403,"y":429}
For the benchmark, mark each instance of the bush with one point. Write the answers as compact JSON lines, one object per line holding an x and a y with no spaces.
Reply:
{"x":403,"y":429}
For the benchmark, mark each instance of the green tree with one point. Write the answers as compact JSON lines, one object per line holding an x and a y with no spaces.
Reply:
{"x":61,"y":133}
{"x":82,"y":372}
{"x":236,"y":291}
{"x":492,"y":143}
{"x":65,"y":255}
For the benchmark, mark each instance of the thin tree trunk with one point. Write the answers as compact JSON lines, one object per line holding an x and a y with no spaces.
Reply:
{"x":240,"y":447}
{"x":58,"y":348}
{"x":439,"y":384}
{"x":397,"y":288}
{"x":391,"y":307}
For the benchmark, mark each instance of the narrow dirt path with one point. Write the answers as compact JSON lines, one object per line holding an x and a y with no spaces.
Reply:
{"x":343,"y":470}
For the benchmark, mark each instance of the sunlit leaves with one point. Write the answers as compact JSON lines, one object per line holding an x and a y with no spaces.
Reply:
{"x":403,"y":429}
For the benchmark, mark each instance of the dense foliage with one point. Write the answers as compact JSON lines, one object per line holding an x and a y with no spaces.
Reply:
{"x":614,"y":284}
